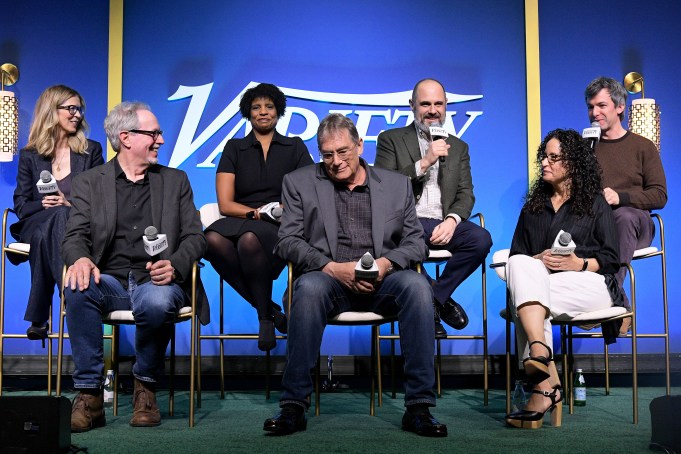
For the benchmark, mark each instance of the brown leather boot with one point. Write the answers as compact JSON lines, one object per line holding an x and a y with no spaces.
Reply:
{"x":146,"y":412}
{"x":87,"y":412}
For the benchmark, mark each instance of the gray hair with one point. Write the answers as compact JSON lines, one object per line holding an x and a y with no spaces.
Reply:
{"x":617,"y":92}
{"x":123,"y":117}
{"x":334,"y":123}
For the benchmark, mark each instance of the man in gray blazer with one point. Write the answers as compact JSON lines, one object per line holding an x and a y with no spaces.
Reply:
{"x":440,"y":174}
{"x":334,"y":212}
{"x":108,"y":268}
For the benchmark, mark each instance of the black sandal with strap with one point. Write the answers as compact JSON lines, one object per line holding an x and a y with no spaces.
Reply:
{"x":537,"y":367}
{"x":530,"y":419}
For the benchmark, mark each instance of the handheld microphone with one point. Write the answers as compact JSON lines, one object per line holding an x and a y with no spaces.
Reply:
{"x":563,"y":244}
{"x":154,"y":242}
{"x":47,"y":185}
{"x":438,"y":132}
{"x":592,"y":134}
{"x":271,"y":212}
{"x":366,"y":268}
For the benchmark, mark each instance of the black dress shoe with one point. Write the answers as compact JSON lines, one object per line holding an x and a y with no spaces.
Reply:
{"x":423,"y":424}
{"x":290,"y":419}
{"x":35,"y":332}
{"x":453,"y":314}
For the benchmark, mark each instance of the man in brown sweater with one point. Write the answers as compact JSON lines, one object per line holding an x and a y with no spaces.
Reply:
{"x":633,"y":178}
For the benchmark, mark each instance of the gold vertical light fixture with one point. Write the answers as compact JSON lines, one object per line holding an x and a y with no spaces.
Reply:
{"x":644,"y":113}
{"x":9,"y":114}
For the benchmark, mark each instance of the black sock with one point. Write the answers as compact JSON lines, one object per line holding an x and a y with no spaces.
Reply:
{"x":91,"y":391}
{"x":418,"y":409}
{"x":266,"y":337}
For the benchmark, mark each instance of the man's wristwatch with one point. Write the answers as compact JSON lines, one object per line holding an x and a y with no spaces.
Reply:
{"x":586,"y":264}
{"x":250,"y":215}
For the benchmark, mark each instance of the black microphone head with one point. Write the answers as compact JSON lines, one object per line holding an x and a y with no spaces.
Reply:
{"x":276,"y":212}
{"x":45,"y":176}
{"x":564,"y":239}
{"x":151,"y":233}
{"x":367,"y":261}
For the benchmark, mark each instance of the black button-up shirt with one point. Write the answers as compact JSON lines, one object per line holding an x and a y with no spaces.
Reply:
{"x":133,"y":215}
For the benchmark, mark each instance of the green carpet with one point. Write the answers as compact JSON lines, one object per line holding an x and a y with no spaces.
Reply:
{"x":235,"y":425}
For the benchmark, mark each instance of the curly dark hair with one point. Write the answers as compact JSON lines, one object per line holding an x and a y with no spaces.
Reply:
{"x":268,"y":91}
{"x":582,"y":171}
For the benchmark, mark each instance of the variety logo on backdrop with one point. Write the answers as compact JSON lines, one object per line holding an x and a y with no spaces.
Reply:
{"x":395,"y":114}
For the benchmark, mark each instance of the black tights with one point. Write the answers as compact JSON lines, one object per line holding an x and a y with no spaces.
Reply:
{"x":246,"y":267}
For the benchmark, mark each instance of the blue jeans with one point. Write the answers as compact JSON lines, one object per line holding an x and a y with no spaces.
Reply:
{"x":317,"y":296}
{"x":154,"y":308}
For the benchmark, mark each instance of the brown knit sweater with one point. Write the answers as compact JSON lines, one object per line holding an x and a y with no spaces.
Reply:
{"x":632,"y":168}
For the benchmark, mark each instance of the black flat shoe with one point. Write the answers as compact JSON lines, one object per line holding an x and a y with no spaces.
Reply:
{"x":537,"y":367}
{"x":38,"y":332}
{"x":290,"y":419}
{"x":453,"y":314}
{"x":423,"y":424}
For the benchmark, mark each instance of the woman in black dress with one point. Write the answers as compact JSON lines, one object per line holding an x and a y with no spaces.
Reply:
{"x":249,"y":177}
{"x":57,"y":144}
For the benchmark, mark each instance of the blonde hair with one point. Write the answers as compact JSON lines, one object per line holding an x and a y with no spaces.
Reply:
{"x":45,"y":128}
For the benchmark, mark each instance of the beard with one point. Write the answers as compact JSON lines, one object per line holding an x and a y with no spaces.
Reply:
{"x":425,"y":128}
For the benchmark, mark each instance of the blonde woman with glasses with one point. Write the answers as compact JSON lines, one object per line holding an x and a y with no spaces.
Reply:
{"x":57,"y":150}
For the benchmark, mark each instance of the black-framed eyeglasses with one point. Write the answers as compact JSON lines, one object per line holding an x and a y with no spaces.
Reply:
{"x":343,"y":155}
{"x":553,"y":158}
{"x":73,"y":109}
{"x":153,"y":134}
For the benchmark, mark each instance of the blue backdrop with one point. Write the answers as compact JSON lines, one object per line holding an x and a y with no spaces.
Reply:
{"x":191,"y":64}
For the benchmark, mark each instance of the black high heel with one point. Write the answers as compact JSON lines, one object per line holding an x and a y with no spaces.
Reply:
{"x":537,"y":367}
{"x":528,"y":419}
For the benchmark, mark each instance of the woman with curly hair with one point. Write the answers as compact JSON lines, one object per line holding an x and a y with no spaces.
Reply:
{"x":56,"y":143}
{"x":544,"y":285}
{"x":249,"y":177}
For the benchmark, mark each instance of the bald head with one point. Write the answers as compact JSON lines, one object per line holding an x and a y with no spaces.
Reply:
{"x":429,"y":104}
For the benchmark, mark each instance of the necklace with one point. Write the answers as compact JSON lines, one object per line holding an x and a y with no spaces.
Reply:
{"x":59,"y":162}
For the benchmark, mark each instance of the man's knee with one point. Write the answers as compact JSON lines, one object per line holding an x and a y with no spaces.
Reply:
{"x":309,"y":292}
{"x":416,"y":289}
{"x":76,"y":298}
{"x":159,"y":302}
{"x":481,"y":240}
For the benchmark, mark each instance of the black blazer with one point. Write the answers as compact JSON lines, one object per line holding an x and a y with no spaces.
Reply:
{"x":92,"y":223}
{"x":27,"y":199}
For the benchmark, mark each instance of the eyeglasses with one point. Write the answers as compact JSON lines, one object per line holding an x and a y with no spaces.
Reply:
{"x":153,"y":134}
{"x":343,"y":155}
{"x":73,"y":109}
{"x":553,"y":158}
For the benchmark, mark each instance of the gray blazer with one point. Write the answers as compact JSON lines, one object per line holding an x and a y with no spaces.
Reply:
{"x":92,"y":224}
{"x":308,"y":235}
{"x":398,"y":150}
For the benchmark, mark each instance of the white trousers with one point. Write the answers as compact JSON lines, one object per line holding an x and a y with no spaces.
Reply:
{"x":564,"y":295}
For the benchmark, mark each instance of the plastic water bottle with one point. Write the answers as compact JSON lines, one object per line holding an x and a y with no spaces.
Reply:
{"x":109,"y":389}
{"x":519,"y":398}
{"x":580,"y":389}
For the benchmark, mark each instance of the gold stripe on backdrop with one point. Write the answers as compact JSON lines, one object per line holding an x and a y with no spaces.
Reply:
{"x":533,"y":89}
{"x":115,"y":84}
